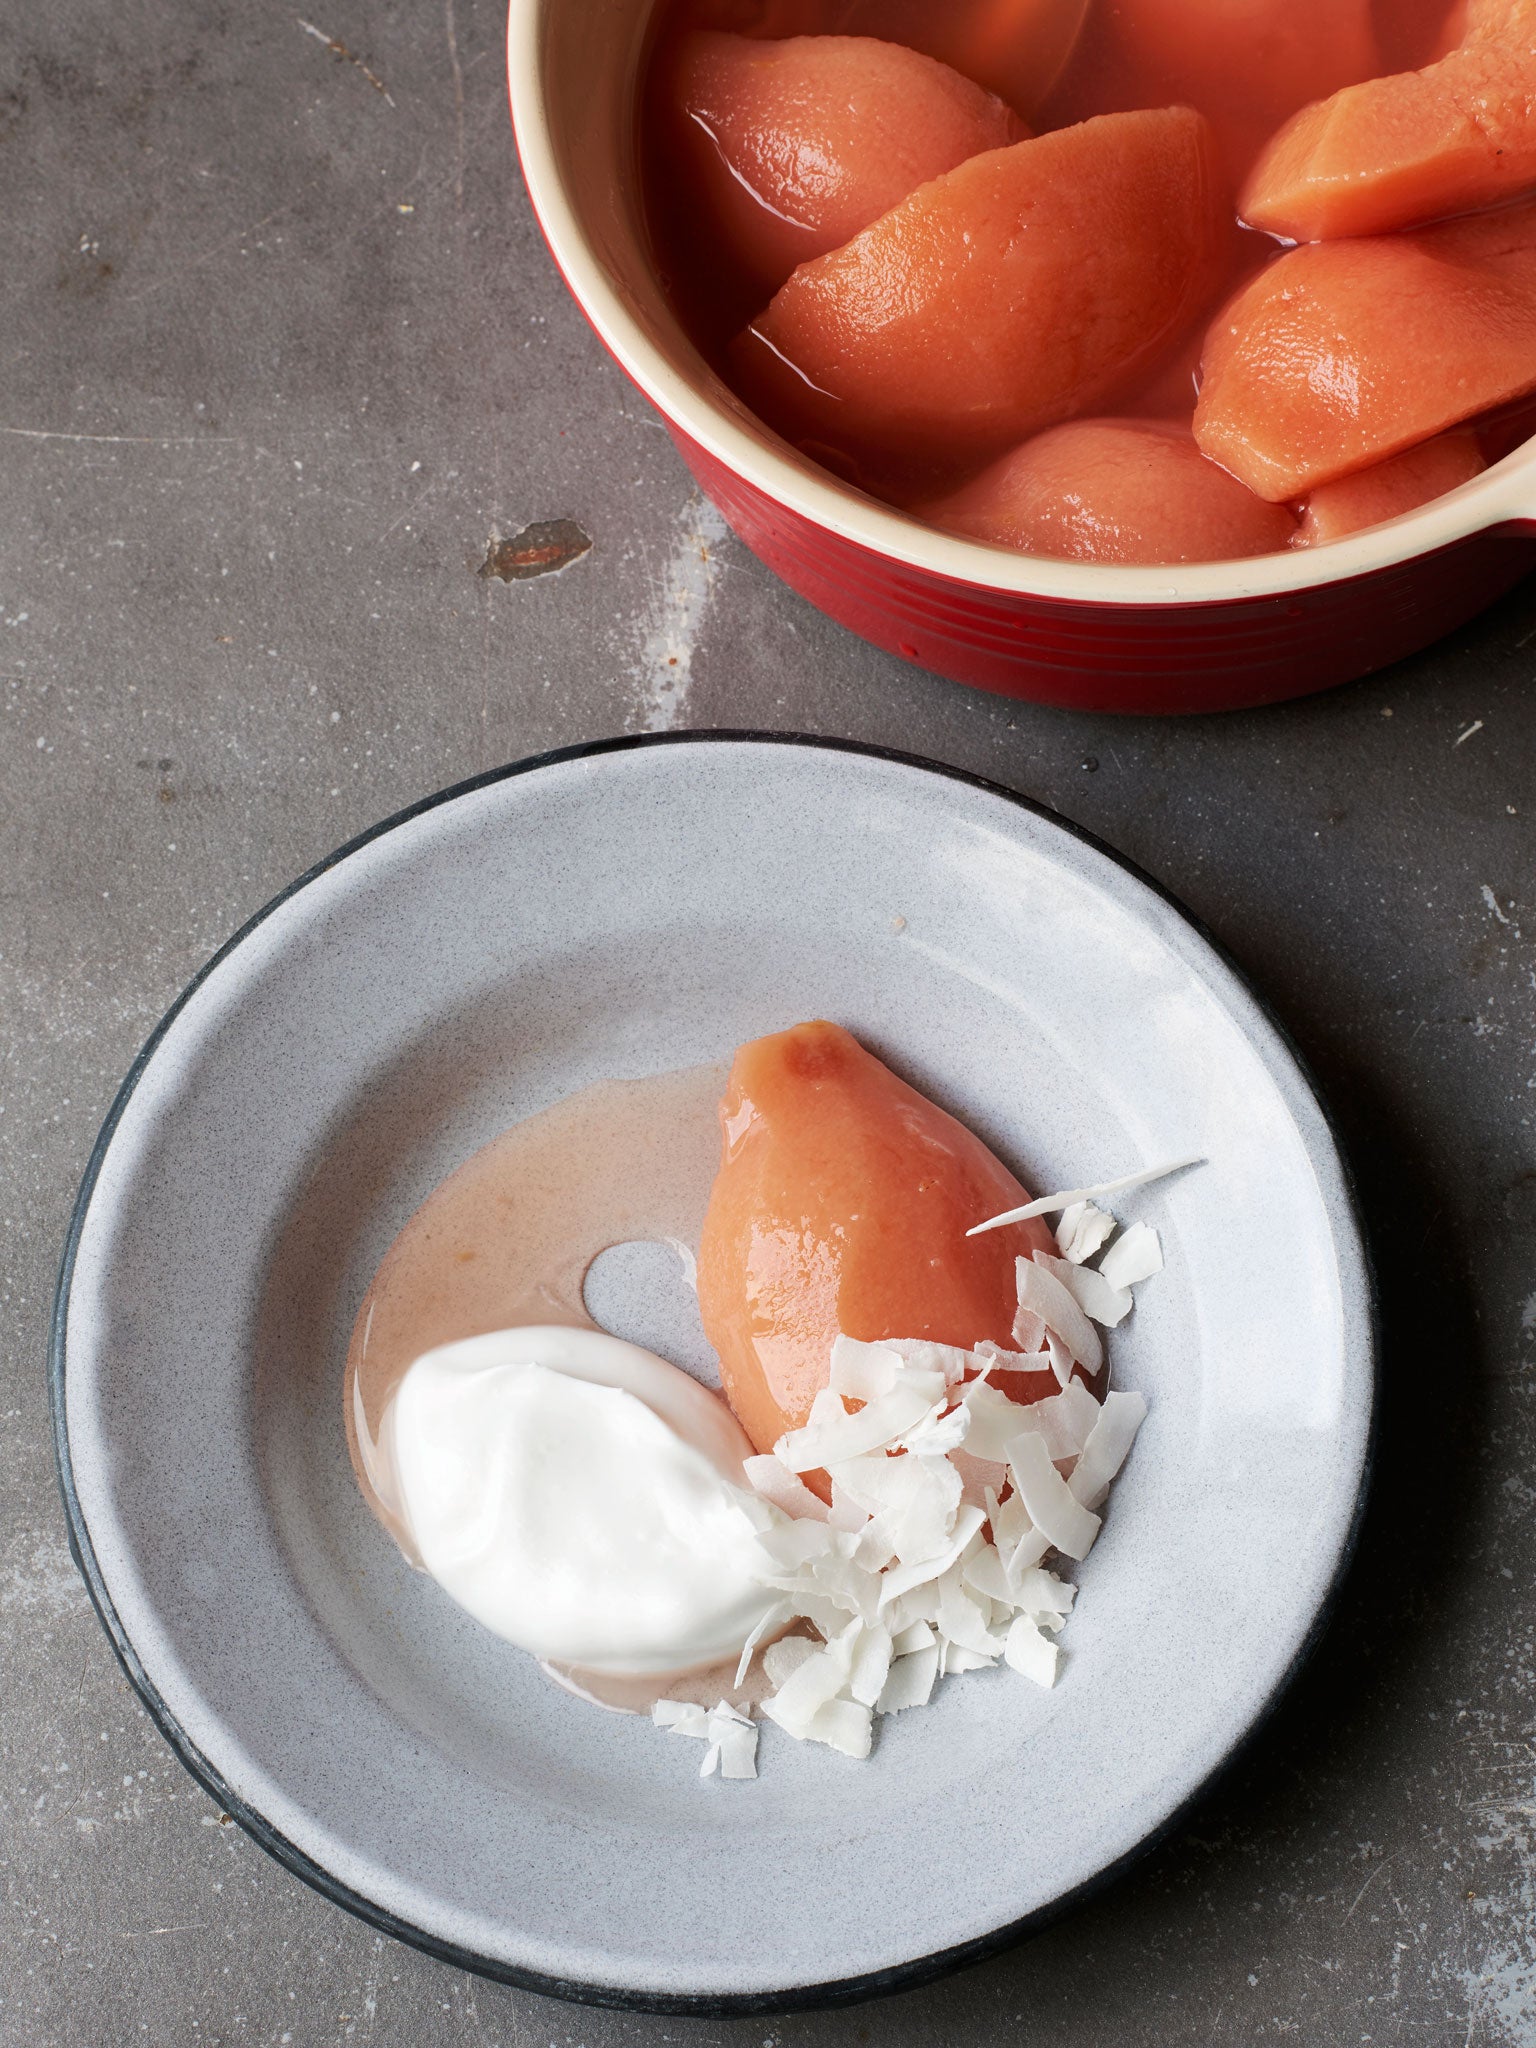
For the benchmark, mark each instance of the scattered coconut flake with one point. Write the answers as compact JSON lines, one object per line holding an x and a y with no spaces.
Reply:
{"x":1048,"y":1205}
{"x":875,"y":1548}
{"x":919,"y":1603}
{"x":732,"y":1744}
{"x":776,"y":1483}
{"x":1090,"y":1290}
{"x":681,"y":1717}
{"x":863,"y":1372}
{"x":938,"y":1434}
{"x":911,"y":1681}
{"x":870,"y":1666}
{"x":919,"y":1636}
{"x":958,"y":1658}
{"x":792,"y":1544}
{"x":1030,"y":1653}
{"x":1063,"y":1419}
{"x":947,"y":1499}
{"x":1134,"y":1256}
{"x":847,"y":1517}
{"x":819,"y":1678}
{"x":977,"y":1474}
{"x":1083,"y":1229}
{"x":1044,"y":1295}
{"x":1029,"y":1331}
{"x":777,"y":1616}
{"x":843,"y":1725}
{"x":950,"y":1359}
{"x":829,"y":1438}
{"x":1046,"y":1599}
{"x":995,"y":1421}
{"x":1108,"y":1444}
{"x":783,"y":1658}
{"x":985,"y":1573}
{"x":961,"y":1620}
{"x":1049,"y":1502}
{"x":902,"y":1578}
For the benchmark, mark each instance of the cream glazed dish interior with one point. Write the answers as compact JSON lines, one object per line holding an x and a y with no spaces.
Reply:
{"x":714,"y":1374}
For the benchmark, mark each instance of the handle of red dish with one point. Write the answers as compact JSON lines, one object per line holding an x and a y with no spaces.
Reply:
{"x":1518,"y":500}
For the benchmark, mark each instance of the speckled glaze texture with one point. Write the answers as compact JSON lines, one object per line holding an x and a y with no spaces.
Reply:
{"x":623,"y":910}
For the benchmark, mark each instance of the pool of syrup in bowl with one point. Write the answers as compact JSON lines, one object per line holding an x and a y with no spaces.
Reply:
{"x":507,"y":1240}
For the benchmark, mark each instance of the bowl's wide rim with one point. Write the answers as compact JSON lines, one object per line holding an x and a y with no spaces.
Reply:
{"x":837,"y":1992}
{"x":1503,"y":496}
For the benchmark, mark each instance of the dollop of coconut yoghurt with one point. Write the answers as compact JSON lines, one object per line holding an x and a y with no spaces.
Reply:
{"x":582,"y":1498}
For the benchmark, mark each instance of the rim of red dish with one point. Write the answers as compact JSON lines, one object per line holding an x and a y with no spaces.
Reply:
{"x":1503,"y":496}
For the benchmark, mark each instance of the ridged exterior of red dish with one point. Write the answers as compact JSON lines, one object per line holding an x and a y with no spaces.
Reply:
{"x":1148,"y":658}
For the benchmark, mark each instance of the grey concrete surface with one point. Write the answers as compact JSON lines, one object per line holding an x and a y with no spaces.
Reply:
{"x":282,"y":358}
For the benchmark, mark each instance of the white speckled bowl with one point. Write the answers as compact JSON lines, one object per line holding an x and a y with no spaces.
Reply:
{"x":618,"y":910}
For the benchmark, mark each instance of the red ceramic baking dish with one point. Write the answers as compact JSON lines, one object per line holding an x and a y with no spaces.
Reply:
{"x":1203,"y":637}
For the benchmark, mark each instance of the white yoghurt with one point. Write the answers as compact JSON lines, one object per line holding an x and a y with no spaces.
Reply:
{"x":580,"y":1497}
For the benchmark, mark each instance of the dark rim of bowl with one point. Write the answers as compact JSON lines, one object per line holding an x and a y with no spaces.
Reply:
{"x":795,"y":1998}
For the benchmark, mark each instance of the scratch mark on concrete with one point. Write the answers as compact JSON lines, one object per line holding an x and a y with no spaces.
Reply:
{"x":664,"y":671}
{"x":129,"y":440}
{"x":458,"y":106}
{"x":339,"y":49}
{"x":1359,"y":1895}
{"x":1492,"y":902}
{"x":1462,"y":738}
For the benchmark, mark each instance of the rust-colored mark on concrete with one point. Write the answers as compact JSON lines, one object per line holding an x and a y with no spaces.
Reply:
{"x":539,"y":550}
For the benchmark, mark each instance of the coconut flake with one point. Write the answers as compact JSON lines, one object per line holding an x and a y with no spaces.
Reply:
{"x":1030,"y":1653}
{"x":870,"y":1666}
{"x":984,"y":1573}
{"x":789,"y":1545}
{"x":781,"y":1660}
{"x":902,"y":1578}
{"x":911,"y":1680}
{"x":938,"y":1434}
{"x":950,"y":1359}
{"x":919,"y":1604}
{"x":995,"y":1420}
{"x":1082,"y":1231}
{"x":819,"y":1678}
{"x":1046,"y":1599}
{"x":1029,"y":1334}
{"x":831,"y":1438}
{"x":777,"y":1615}
{"x":1063,"y":1419}
{"x":681,"y":1717}
{"x":863,"y":1372}
{"x":1108,"y":1444}
{"x":843,"y":1725}
{"x":1048,"y":1205}
{"x":959,"y":1658}
{"x":1090,"y":1290}
{"x":776,"y":1484}
{"x":976,"y":1475}
{"x":919,"y":1636}
{"x":914,"y":1498}
{"x":1133,"y":1257}
{"x":960,"y":1618}
{"x":1041,"y":1293}
{"x":732,"y":1744}
{"x":1049,"y":1502}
